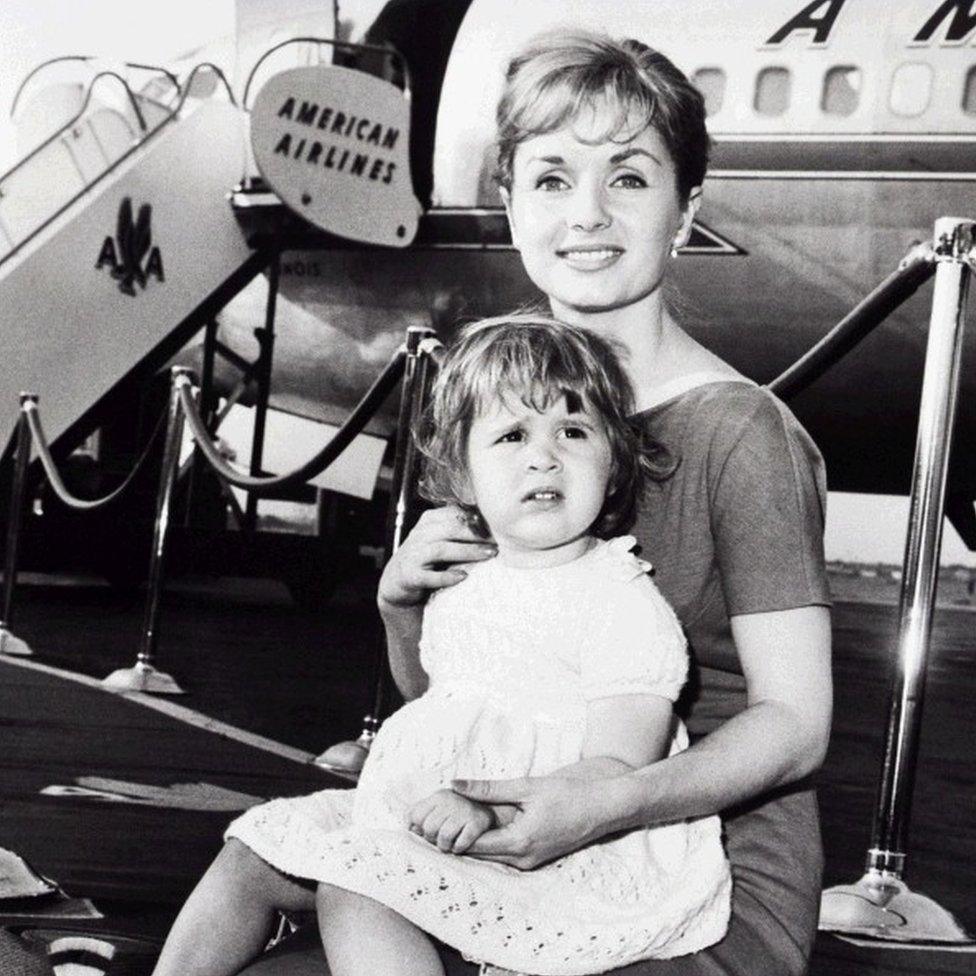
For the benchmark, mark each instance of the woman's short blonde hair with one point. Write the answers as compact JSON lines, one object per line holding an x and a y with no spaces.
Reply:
{"x":534,"y":360}
{"x":561,"y":73}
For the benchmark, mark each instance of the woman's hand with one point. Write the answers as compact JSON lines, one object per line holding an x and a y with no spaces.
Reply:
{"x":553,"y":816}
{"x":449,"y":821}
{"x":431,"y":557}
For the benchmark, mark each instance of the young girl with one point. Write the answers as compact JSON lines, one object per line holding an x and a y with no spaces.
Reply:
{"x":557,"y":654}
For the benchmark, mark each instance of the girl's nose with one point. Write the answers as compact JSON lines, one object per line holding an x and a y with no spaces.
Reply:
{"x":543,"y":457}
{"x":589,"y":211}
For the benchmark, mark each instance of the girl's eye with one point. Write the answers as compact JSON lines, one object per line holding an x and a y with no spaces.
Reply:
{"x":574,"y":433}
{"x":630,"y":181}
{"x":551,"y":182}
{"x":510,"y":437}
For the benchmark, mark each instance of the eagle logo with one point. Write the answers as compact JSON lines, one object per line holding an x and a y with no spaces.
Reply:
{"x":130,"y":255}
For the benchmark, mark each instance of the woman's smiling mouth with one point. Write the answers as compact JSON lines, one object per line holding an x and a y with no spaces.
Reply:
{"x":589,"y":258}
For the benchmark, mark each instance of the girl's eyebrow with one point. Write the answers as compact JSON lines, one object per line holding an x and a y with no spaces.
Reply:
{"x":625,"y":154}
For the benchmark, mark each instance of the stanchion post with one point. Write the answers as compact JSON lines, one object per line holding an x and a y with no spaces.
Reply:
{"x":10,"y":644}
{"x":144,"y":676}
{"x":347,"y":758}
{"x":881,"y":904}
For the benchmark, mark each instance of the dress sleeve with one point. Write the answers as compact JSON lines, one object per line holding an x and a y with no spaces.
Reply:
{"x":637,"y":648}
{"x":768,"y":495}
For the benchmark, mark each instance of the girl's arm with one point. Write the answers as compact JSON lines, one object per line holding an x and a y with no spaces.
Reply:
{"x":781,"y":736}
{"x":623,"y":733}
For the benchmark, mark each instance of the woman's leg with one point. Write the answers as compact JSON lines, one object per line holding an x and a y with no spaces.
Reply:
{"x":227,"y":919}
{"x":364,"y":938}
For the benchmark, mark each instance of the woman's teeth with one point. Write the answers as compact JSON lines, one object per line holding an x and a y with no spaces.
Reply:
{"x":590,"y":255}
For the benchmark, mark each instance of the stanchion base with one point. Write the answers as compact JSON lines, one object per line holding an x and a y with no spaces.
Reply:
{"x":142,"y":677}
{"x":345,"y":759}
{"x":13,"y":646}
{"x":882,"y":908}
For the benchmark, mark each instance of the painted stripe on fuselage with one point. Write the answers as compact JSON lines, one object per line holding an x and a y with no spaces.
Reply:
{"x":839,"y":157}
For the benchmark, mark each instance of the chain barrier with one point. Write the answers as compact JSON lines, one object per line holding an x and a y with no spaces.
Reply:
{"x":347,"y":433}
{"x":39,"y":438}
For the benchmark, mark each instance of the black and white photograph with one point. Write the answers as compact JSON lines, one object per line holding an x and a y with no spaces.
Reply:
{"x":487,"y":489}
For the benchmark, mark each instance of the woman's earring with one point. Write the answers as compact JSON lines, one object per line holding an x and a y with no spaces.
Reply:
{"x":674,"y":250}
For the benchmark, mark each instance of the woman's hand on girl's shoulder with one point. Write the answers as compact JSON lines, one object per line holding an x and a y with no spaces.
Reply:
{"x":432,"y":556}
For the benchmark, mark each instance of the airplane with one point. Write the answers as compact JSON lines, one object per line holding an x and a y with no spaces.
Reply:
{"x":838,"y":140}
{"x":831,"y":157}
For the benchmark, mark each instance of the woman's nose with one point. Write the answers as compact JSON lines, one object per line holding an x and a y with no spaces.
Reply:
{"x":589,"y":210}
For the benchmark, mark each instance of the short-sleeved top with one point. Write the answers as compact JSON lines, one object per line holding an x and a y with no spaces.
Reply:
{"x":736,"y":529}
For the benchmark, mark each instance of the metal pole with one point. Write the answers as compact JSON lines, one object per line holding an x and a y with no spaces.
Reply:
{"x":347,"y":758}
{"x":265,"y":339}
{"x":881,"y":904}
{"x":940,"y":388}
{"x":144,"y":676}
{"x":9,"y":644}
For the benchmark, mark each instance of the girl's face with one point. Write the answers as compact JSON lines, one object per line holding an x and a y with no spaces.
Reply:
{"x":595,"y":221}
{"x":538,"y":479}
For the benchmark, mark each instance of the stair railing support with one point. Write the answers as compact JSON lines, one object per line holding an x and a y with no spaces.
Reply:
{"x":9,"y":643}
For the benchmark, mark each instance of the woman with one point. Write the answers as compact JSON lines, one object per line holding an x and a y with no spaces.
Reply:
{"x":602,"y":153}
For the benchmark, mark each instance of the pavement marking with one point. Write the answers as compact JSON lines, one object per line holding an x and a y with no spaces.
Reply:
{"x":180,"y":712}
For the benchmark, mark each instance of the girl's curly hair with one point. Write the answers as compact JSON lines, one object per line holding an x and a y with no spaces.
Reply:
{"x":536,"y":360}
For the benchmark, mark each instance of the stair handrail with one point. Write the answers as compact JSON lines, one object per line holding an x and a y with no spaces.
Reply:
{"x":354,"y":424}
{"x":390,"y":52}
{"x":147,"y":136}
{"x":912,"y":272}
{"x":86,"y":57}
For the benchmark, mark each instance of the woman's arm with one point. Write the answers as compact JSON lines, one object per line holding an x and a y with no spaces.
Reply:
{"x":430,"y":558}
{"x":780,"y":737}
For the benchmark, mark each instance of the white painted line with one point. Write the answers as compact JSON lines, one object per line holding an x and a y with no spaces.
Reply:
{"x":180,"y":712}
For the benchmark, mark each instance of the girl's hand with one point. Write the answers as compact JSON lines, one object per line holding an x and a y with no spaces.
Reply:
{"x":450,"y":821}
{"x":553,"y":816}
{"x":430,"y":558}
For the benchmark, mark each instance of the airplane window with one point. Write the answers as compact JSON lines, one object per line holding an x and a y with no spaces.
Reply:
{"x":711,"y":83}
{"x":969,"y":94}
{"x":772,"y":91}
{"x":911,"y":88}
{"x":841,"y":90}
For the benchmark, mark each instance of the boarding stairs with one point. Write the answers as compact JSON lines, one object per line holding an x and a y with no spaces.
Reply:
{"x":117,"y":242}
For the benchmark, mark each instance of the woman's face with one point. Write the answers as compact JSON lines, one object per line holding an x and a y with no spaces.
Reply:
{"x":595,"y":221}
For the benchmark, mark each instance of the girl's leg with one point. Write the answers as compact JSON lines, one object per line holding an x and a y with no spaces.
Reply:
{"x":227,"y":919}
{"x":364,"y":938}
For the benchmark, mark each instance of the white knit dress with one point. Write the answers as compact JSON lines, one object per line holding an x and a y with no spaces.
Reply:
{"x":514,"y":656}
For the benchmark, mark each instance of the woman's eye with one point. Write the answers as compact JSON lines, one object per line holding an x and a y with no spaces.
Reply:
{"x":630,"y":181}
{"x":550,"y":183}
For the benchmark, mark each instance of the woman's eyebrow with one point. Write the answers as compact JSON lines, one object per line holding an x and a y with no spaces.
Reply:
{"x":625,"y":154}
{"x":549,"y":160}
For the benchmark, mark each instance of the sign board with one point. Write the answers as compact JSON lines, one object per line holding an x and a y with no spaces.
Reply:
{"x":334,"y":144}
